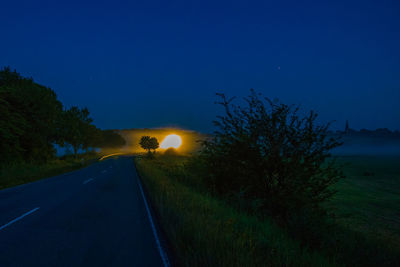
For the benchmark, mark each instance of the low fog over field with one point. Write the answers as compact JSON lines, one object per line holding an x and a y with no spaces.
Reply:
{"x":367,"y":142}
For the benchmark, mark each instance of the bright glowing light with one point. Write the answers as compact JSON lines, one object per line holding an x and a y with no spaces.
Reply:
{"x":171,"y":140}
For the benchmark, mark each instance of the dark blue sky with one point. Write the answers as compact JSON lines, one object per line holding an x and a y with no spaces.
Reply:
{"x":157,"y":63}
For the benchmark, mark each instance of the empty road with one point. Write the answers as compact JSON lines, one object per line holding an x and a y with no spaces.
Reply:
{"x":95,"y":216}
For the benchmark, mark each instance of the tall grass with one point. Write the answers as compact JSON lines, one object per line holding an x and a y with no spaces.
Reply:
{"x":204,"y":231}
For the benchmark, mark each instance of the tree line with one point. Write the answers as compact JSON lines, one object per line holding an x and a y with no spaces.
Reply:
{"x":33,"y":121}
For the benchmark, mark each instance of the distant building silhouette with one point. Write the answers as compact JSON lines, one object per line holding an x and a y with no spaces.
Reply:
{"x":346,"y":129}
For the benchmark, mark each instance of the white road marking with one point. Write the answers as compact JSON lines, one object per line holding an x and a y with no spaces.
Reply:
{"x":163,"y":255}
{"x":88,"y":180}
{"x":19,"y":218}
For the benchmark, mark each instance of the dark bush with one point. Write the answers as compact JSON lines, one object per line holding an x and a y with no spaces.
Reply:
{"x":270,"y":159}
{"x":171,"y":152}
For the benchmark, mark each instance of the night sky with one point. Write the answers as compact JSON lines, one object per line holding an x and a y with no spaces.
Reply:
{"x":159,"y":63}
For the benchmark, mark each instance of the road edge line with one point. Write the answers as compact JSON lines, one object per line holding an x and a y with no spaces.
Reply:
{"x":163,"y":254}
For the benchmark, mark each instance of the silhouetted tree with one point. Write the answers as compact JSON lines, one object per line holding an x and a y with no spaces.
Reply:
{"x":112,"y":139}
{"x":268,"y":156}
{"x":29,"y":118}
{"x":92,"y":137}
{"x":77,"y":128}
{"x":148,"y":143}
{"x":145,"y":143}
{"x":154,"y":144}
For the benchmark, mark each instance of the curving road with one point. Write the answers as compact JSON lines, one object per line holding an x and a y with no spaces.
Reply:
{"x":95,"y":216}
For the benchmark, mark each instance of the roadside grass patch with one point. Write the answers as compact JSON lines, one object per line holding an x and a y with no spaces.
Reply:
{"x":20,"y":173}
{"x":205,"y":231}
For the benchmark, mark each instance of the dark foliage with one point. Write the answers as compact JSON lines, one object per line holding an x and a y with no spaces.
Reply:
{"x":33,"y":120}
{"x":111,"y":139}
{"x":149,"y":143}
{"x":145,"y":143}
{"x":78,"y":130}
{"x":171,"y":152}
{"x":269,"y":159}
{"x":29,"y":120}
{"x":154,"y":144}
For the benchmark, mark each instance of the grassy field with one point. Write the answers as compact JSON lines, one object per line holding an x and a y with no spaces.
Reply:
{"x":21,"y":173}
{"x":368,"y":200}
{"x":205,"y":231}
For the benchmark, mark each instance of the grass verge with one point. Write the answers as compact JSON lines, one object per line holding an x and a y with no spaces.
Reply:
{"x":204,"y":231}
{"x":21,"y":173}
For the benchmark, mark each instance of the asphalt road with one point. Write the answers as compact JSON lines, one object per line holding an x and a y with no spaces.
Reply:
{"x":95,"y":216}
